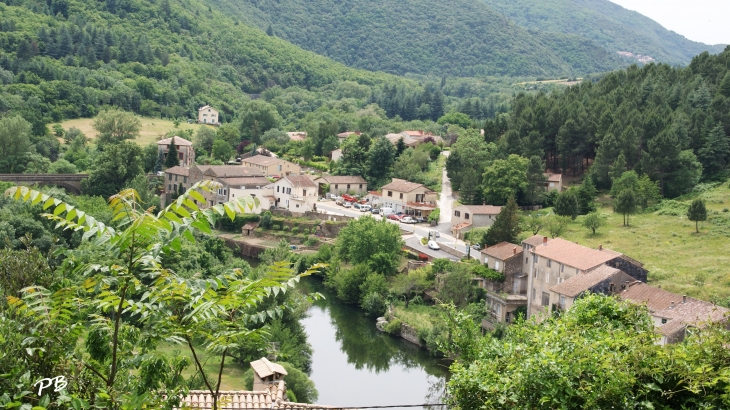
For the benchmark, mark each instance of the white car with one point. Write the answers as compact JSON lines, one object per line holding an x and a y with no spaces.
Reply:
{"x":408,"y":220}
{"x":433,"y":245}
{"x":347,"y":205}
{"x":365,"y":208}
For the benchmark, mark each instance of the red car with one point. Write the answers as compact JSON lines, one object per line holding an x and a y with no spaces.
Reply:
{"x":349,"y":198}
{"x":395,"y":217}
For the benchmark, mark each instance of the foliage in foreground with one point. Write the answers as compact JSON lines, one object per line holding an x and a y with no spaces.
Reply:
{"x":599,"y":354}
{"x":126,"y":302}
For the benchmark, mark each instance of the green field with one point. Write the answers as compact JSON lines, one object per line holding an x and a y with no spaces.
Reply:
{"x":232,"y":377}
{"x":678,"y":259}
{"x":152,"y":130}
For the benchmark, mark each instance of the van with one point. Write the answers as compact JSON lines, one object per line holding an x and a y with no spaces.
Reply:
{"x":385,"y":211}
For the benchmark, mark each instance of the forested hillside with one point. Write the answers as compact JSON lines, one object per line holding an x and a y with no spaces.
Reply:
{"x":67,"y":58}
{"x":605,"y":23}
{"x":668,"y":123}
{"x":460,"y":37}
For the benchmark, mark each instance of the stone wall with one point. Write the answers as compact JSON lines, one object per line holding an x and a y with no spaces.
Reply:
{"x":453,"y":252}
{"x":244,"y":248}
{"x":327,"y":217}
{"x":410,"y":334}
{"x":418,"y":251}
{"x":635,"y":271}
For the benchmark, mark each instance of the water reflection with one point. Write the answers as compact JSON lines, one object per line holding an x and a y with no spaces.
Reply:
{"x":354,"y":364}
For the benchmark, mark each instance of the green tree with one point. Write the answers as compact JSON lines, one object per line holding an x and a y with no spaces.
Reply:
{"x":222,"y":151}
{"x":112,"y":169}
{"x":15,"y":143}
{"x":258,"y":116}
{"x":567,"y":204}
{"x":536,"y":180}
{"x":714,"y":155}
{"x":58,"y":131}
{"x":457,"y":287}
{"x":534,"y":222}
{"x":506,"y":226}
{"x":400,"y":146}
{"x":456,"y":118}
{"x":172,"y":159}
{"x":625,"y":204}
{"x":379,"y":161}
{"x":505,"y":179}
{"x":586,"y":194}
{"x":121,"y":327}
{"x":365,"y":237}
{"x":594,"y":221}
{"x":555,"y":224}
{"x":204,"y":139}
{"x":115,"y":126}
{"x":697,"y":213}
{"x":62,"y":167}
{"x":410,"y":285}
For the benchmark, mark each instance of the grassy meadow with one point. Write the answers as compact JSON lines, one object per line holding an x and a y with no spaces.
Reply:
{"x":232,"y":377}
{"x":152,"y":130}
{"x":678,"y":259}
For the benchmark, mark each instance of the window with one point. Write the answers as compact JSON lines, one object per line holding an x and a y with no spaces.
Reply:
{"x":348,"y":187}
{"x":490,"y":216}
{"x":304,"y":192}
{"x":545,"y":298}
{"x":185,"y":179}
{"x":336,"y":186}
{"x":549,"y":263}
{"x":277,"y":189}
{"x":562,"y":267}
{"x":390,"y":193}
{"x":527,"y":260}
{"x":169,"y":187}
{"x":664,"y":321}
{"x":175,"y":177}
{"x":547,"y":277}
{"x":401,"y":195}
{"x":534,"y":258}
{"x":561,"y":303}
{"x":533,"y":293}
{"x":466,"y":215}
{"x":297,"y":205}
{"x":360,"y":186}
{"x":486,"y":260}
{"x":169,"y":177}
{"x":279,"y":167}
{"x":180,"y":155}
{"x":288,"y":191}
{"x":457,"y":213}
{"x":496,"y":265}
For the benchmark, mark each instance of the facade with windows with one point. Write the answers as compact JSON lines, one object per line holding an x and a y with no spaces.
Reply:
{"x":505,"y":298}
{"x":271,"y":167}
{"x":405,"y":196}
{"x":344,"y":184}
{"x":296,"y":193}
{"x":185,"y":152}
{"x":467,"y":217}
{"x":208,"y":115}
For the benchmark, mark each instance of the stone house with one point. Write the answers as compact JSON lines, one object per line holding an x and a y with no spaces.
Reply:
{"x":343,"y":184}
{"x":503,"y":297}
{"x":405,"y":196}
{"x":229,"y":176}
{"x":467,"y":217}
{"x":408,"y":141}
{"x":185,"y":152}
{"x":554,"y":182}
{"x":336,"y":154}
{"x":296,"y":193}
{"x":297,"y":135}
{"x":174,"y":178}
{"x":208,"y":115}
{"x":270,"y":166}
{"x":345,"y":135}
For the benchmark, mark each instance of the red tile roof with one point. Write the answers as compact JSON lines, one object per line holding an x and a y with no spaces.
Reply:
{"x":503,"y":251}
{"x":574,"y":255}
{"x":261,"y":160}
{"x":300,"y":181}
{"x":481,"y":209}
{"x":343,"y":179}
{"x":401,"y":185}
{"x":178,"y":141}
{"x":535,"y":240}
{"x":178,"y":170}
{"x":584,"y":281}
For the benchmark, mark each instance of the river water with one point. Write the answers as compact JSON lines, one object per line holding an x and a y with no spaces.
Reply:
{"x":355,"y":365}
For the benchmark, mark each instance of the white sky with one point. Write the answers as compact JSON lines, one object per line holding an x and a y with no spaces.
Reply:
{"x":699,"y":20}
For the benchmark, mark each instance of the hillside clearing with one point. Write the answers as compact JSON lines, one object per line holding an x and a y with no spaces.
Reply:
{"x":677,"y":258}
{"x":152,"y":130}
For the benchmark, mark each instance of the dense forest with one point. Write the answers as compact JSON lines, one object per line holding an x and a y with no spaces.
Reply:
{"x":459,"y":38}
{"x":669,"y":124}
{"x":605,"y":23}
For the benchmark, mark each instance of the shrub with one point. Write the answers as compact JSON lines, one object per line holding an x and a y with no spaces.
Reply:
{"x":488,"y":273}
{"x":295,"y":230}
{"x":393,"y":327}
{"x":434,"y":216}
{"x":373,"y":304}
{"x":285,"y":228}
{"x":424,"y":241}
{"x":311,"y":241}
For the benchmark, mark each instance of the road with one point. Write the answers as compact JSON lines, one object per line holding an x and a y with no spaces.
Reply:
{"x":446,"y":199}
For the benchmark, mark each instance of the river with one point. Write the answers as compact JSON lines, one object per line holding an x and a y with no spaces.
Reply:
{"x":355,"y":365}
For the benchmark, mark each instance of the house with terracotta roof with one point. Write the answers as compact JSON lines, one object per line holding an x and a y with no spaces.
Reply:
{"x":342,"y":184}
{"x":174,"y":179}
{"x":345,"y":135}
{"x":673,"y":315}
{"x":228,"y":176}
{"x":404,"y":196}
{"x":504,"y":297}
{"x":553,"y":182}
{"x":550,"y":262}
{"x":271,"y":166}
{"x":269,"y":392}
{"x":208,"y":115}
{"x":185,"y":152}
{"x":408,"y":141}
{"x":467,"y":217}
{"x":296,"y":193}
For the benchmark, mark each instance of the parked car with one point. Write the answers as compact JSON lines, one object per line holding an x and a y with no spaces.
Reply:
{"x":433,"y":245}
{"x":394,"y":217}
{"x":364,"y":208}
{"x":385,"y":211}
{"x":420,"y":219}
{"x":476,"y":247}
{"x":339,"y":201}
{"x":408,"y":220}
{"x":349,"y":198}
{"x":347,"y":204}
{"x":375,"y":211}
{"x":434,"y":233}
{"x":356,"y":205}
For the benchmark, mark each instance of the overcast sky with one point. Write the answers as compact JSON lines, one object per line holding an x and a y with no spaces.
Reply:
{"x":706,"y":21}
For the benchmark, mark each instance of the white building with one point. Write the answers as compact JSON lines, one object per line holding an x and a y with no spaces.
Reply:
{"x":207,"y":115}
{"x":296,"y":193}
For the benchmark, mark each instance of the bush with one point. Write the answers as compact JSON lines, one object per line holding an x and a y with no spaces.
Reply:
{"x":393,"y":327}
{"x":295,"y":230}
{"x":424,"y":241}
{"x":488,"y":273}
{"x":434,"y":216}
{"x":373,"y":304}
{"x":311,"y":241}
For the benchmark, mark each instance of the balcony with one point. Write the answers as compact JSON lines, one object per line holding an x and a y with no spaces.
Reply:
{"x":423,"y":206}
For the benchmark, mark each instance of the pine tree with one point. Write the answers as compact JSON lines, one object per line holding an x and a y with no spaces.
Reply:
{"x":586,"y":194}
{"x":625,"y":203}
{"x":437,"y":106}
{"x":470,"y":193}
{"x":172,"y":160}
{"x":697,"y":213}
{"x":567,"y":204}
{"x":506,"y":226}
{"x":715,"y":153}
{"x":618,"y":167}
{"x":160,"y":163}
{"x":400,"y":146}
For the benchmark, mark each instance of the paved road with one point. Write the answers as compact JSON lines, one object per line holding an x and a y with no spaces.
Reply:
{"x":415,"y":242}
{"x":446,"y":199}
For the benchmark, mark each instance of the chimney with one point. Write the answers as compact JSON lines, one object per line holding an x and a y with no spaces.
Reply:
{"x":514,"y":252}
{"x":672,"y":305}
{"x":600,"y":247}
{"x":684,"y":298}
{"x":544,"y":240}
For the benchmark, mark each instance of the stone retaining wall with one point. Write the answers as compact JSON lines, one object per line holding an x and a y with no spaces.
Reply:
{"x":244,"y":248}
{"x":410,"y":334}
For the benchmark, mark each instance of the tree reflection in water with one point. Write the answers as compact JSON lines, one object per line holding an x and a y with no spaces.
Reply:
{"x":368,"y":349}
